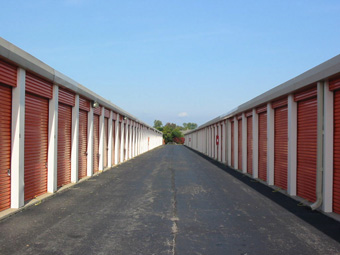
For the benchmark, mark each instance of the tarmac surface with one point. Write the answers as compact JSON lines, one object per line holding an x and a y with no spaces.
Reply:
{"x":171,"y":200}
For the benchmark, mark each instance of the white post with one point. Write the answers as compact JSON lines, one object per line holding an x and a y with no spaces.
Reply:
{"x":270,"y":144}
{"x":75,"y":141}
{"x":208,"y":144}
{"x":117,"y":139}
{"x":130,"y":139}
{"x":328,"y":149}
{"x":140,"y":139}
{"x":90,"y":143}
{"x":101,"y":140}
{"x":255,"y":144}
{"x":229,"y":142}
{"x":137,"y":139}
{"x":127,"y":139}
{"x":292,"y":145}
{"x":122,"y":141}
{"x":134,"y":140}
{"x":235,"y":143}
{"x":18,"y":141}
{"x":244,"y":143}
{"x":52,"y":141}
{"x":109,"y":145}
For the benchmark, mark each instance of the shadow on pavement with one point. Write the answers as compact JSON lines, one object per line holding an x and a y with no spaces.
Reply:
{"x":323,"y":223}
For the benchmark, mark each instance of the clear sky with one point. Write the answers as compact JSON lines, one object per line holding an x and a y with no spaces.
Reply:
{"x":180,"y":60}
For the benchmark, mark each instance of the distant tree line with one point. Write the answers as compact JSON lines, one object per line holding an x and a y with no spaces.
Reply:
{"x":172,"y":132}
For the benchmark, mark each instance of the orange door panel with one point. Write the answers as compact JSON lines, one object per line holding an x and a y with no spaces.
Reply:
{"x":336,"y":152}
{"x":36,"y":142}
{"x":64,"y":144}
{"x":239,"y":144}
{"x":281,"y":147}
{"x":82,"y":170}
{"x":5,"y":151}
{"x":250,"y":145}
{"x":263,"y":146}
{"x":307,"y":148}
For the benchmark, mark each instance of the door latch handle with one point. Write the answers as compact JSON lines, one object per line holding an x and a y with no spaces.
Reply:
{"x":9,"y":172}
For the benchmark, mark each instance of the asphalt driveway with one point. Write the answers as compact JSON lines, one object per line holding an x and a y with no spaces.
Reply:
{"x":169,"y":201}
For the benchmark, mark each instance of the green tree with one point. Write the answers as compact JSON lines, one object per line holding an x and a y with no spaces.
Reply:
{"x":158,"y":125}
{"x":171,"y":131}
{"x":167,"y":134}
{"x":189,"y":126}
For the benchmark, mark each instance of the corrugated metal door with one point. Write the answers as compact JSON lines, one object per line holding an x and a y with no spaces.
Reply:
{"x":82,"y":170}
{"x":281,"y":147}
{"x":5,"y":152}
{"x":95,"y":143}
{"x":232,"y":143}
{"x":64,"y":144}
{"x":36,"y":140}
{"x":124,"y":143}
{"x":250,"y":145}
{"x":216,"y":139}
{"x":262,"y":146}
{"x":306,"y":144}
{"x":106,"y":137}
{"x":239,"y":144}
{"x":113,"y":141}
{"x":336,"y":153}
{"x":8,"y":74}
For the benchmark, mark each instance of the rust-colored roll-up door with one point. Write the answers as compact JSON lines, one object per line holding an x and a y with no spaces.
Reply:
{"x":239,"y":143}
{"x":124,"y":143}
{"x":128,"y":140}
{"x":66,"y":101}
{"x":232,"y":143}
{"x":281,"y":147}
{"x":250,"y":145}
{"x":113,"y":142}
{"x":336,"y":153}
{"x":106,"y":137}
{"x":82,"y":168}
{"x":216,"y":136}
{"x":119,"y":141}
{"x":5,"y":152}
{"x":335,"y":85}
{"x":84,"y":108}
{"x":306,"y":144}
{"x":8,"y":74}
{"x":95,"y":143}
{"x":262,"y":168}
{"x":36,"y":140}
{"x":64,"y":144}
{"x":38,"y":93}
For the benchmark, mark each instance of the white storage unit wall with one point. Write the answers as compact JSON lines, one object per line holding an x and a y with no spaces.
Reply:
{"x":291,"y":135}
{"x":36,"y":99}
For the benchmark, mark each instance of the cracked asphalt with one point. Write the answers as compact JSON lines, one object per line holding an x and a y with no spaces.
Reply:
{"x":171,"y":200}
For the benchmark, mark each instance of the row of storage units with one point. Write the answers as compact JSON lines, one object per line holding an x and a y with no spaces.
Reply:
{"x":288,"y":137}
{"x":53,"y":133}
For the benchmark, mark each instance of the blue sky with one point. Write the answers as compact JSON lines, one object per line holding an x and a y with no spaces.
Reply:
{"x":177,"y":61}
